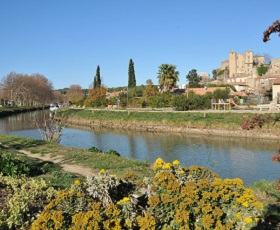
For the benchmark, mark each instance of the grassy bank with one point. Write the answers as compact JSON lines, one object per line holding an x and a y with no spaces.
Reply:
{"x":185,"y":120}
{"x":6,"y":111}
{"x":83,"y":157}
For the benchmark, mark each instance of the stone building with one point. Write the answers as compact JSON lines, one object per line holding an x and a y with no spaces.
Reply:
{"x":240,"y":63}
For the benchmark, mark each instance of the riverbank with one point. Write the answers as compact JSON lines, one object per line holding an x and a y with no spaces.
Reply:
{"x":7,"y":111}
{"x":219,"y":123}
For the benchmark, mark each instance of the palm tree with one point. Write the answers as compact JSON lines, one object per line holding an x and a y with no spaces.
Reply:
{"x":168,"y":76}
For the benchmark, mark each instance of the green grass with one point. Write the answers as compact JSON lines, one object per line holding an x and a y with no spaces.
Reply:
{"x":266,"y":192}
{"x":176,"y":119}
{"x":95,"y":161}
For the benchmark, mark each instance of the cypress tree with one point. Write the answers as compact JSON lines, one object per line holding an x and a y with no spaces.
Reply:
{"x":98,"y":79}
{"x":131,"y":75}
{"x":94,"y":83}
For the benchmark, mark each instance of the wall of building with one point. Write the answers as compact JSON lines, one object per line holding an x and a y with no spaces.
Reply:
{"x":275,"y":92}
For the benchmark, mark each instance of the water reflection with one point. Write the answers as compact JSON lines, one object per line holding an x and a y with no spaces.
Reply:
{"x":245,"y":158}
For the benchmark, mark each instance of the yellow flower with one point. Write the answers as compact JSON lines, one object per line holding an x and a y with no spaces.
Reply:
{"x":77,"y":182}
{"x":182,"y":171}
{"x":245,"y":204}
{"x":248,"y":220}
{"x":102,"y":171}
{"x":159,"y":161}
{"x":125,"y":199}
{"x":238,"y":216}
{"x":176,"y":162}
{"x":167,"y":166}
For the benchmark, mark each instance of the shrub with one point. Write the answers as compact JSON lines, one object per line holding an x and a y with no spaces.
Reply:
{"x":175,"y":198}
{"x":95,"y":150}
{"x":256,"y":121}
{"x":10,"y":166}
{"x":113,"y":152}
{"x":24,"y":199}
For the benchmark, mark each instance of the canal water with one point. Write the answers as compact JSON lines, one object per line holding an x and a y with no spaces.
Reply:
{"x":248,"y":159}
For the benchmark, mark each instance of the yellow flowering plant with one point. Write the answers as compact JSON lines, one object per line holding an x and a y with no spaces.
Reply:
{"x":175,"y":198}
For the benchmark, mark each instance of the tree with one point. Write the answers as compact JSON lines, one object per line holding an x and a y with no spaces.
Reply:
{"x":150,"y":89}
{"x":74,"y":93}
{"x":94,"y":83}
{"x":274,"y":28}
{"x":98,"y":78}
{"x":168,"y":76}
{"x":215,"y":74}
{"x":193,"y":79}
{"x":22,"y":89}
{"x":131,"y":75}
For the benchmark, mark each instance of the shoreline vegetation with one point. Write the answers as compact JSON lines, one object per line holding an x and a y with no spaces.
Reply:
{"x":220,"y":123}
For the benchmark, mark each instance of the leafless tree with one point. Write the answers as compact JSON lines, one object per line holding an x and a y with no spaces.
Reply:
{"x":22,"y":89}
{"x":74,"y":93}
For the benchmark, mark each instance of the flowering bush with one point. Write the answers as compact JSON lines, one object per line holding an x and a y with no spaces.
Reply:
{"x":24,"y":198}
{"x":175,"y":198}
{"x":256,"y":121}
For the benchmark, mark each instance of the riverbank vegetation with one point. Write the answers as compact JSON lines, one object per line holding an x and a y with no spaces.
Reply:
{"x":124,"y":193}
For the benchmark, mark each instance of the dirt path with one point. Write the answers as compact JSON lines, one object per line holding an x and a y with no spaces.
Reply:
{"x":59,"y":160}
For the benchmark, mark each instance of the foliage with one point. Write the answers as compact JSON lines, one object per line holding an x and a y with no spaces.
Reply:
{"x":175,"y":198}
{"x":97,"y":78}
{"x":150,"y":89}
{"x":97,"y":97}
{"x":193,"y":79}
{"x":113,"y":152}
{"x":131,"y":75}
{"x":276,"y":158}
{"x":95,"y":150}
{"x":274,"y":28}
{"x":221,"y":94}
{"x":262,"y":70}
{"x":160,"y":100}
{"x":9,"y":166}
{"x":255,"y":121}
{"x":24,"y":199}
{"x":168,"y":76}
{"x":192,"y":101}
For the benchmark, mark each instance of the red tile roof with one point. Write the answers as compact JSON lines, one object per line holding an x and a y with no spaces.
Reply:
{"x":202,"y":91}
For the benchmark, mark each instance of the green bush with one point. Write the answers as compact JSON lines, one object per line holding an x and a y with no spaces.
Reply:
{"x":192,"y":102}
{"x":10,"y":166}
{"x":95,"y":150}
{"x":113,"y":152}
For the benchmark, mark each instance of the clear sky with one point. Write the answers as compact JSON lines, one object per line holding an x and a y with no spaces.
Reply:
{"x":65,"y":40}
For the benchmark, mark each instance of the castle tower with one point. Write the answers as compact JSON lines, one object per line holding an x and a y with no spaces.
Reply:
{"x":232,"y":64}
{"x":248,"y":68}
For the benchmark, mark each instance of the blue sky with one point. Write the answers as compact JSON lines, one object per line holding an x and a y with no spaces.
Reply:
{"x":65,"y":40}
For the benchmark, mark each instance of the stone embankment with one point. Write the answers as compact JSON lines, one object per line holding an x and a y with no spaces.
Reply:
{"x":149,"y":127}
